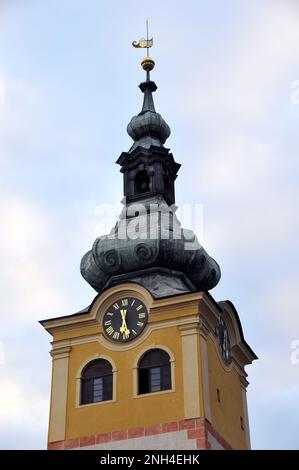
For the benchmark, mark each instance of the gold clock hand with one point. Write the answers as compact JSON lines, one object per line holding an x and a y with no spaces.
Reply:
{"x":124,"y":329}
{"x":122,"y":325}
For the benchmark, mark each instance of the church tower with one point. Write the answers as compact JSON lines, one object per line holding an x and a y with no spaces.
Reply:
{"x":155,"y":362}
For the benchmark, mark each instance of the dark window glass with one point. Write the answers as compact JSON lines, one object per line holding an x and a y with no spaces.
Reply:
{"x":96,"y":382}
{"x":154,"y":373}
{"x":142,"y":182}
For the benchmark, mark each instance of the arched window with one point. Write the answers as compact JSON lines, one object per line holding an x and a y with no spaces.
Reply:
{"x":142,"y":182}
{"x":154,"y":372}
{"x":96,"y":382}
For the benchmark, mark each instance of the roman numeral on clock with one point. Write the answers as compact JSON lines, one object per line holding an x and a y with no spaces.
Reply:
{"x":125,"y":319}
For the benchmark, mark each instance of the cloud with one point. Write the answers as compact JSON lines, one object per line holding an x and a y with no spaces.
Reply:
{"x":19,"y":115}
{"x":2,"y":92}
{"x":22,"y":226}
{"x":22,"y":403}
{"x":240,"y":175}
{"x":256,"y":60}
{"x":28,"y":283}
{"x":280,"y":306}
{"x":240,"y":107}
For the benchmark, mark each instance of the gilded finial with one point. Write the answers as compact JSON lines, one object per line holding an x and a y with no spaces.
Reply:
{"x":147,"y":63}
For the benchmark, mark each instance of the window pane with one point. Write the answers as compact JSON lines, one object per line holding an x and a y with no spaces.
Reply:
{"x":86,"y":391}
{"x":166,"y":377}
{"x":155,"y":379}
{"x":108,"y":387}
{"x":143,"y":381}
{"x":98,"y":389}
{"x":154,"y":371}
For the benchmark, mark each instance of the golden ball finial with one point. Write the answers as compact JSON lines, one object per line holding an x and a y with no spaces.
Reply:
{"x":148,"y":64}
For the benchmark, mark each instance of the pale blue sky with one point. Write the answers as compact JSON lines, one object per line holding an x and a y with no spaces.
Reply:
{"x":68,"y":87}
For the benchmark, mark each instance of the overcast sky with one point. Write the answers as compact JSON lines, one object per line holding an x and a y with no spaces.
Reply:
{"x":226,"y":72}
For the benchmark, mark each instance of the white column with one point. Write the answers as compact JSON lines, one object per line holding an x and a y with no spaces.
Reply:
{"x":190,"y":358}
{"x":205,"y":373}
{"x":60,"y":366}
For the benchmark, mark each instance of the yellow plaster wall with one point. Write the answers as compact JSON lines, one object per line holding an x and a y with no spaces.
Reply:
{"x":129,"y":411}
{"x":126,"y":412}
{"x":226,"y":414}
{"x":157,"y":315}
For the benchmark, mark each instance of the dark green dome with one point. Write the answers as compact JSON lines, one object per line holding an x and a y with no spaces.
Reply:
{"x":148,"y":127}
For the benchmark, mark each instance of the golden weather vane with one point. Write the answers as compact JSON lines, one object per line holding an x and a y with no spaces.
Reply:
{"x":147,"y":63}
{"x":144,"y":43}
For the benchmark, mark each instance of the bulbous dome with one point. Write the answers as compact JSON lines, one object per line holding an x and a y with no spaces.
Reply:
{"x":148,"y":127}
{"x":180,"y":261}
{"x":148,"y":124}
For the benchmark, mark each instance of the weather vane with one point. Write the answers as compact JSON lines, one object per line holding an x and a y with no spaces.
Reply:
{"x":148,"y":63}
{"x":144,"y":43}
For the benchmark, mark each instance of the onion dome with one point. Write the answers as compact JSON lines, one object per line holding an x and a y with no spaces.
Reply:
{"x":148,"y":127}
{"x":163,"y":264}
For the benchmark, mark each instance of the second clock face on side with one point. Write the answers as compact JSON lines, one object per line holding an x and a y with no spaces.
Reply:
{"x":125,"y":319}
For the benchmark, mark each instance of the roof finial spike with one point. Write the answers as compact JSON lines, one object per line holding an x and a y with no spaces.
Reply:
{"x":147,"y":63}
{"x":147,"y":38}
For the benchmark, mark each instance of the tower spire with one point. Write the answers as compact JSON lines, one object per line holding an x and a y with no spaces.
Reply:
{"x":157,"y":258}
{"x":148,"y":127}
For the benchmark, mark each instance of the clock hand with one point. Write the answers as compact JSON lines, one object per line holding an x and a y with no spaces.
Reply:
{"x":124,"y":329}
{"x":123,"y":314}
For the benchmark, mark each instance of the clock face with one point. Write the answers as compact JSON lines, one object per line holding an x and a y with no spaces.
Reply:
{"x":125,"y":319}
{"x":223,"y":340}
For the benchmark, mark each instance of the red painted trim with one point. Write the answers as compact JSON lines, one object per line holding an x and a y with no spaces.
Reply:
{"x":196,"y":429}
